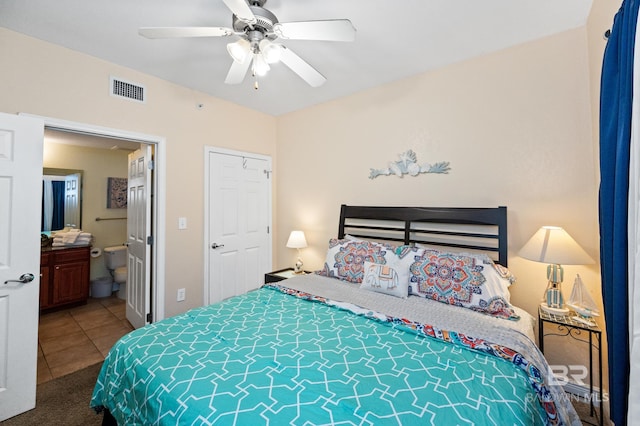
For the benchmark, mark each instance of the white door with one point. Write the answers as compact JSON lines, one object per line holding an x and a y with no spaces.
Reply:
{"x":20,"y":208}
{"x":138,"y":235}
{"x":239,"y":221}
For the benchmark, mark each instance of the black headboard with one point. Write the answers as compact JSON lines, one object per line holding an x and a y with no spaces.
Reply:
{"x":459,"y":228}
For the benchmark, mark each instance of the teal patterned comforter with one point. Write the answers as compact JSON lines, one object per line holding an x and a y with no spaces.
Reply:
{"x":269,"y":357}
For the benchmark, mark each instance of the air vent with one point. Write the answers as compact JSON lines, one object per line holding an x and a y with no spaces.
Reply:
{"x":127,"y":90}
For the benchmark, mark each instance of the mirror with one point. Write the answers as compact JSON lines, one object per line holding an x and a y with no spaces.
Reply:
{"x":61,"y":199}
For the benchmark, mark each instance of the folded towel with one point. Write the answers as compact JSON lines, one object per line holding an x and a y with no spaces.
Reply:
{"x":70,"y":237}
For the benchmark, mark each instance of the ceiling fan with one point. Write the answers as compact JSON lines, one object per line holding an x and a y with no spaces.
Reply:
{"x":257,"y":29}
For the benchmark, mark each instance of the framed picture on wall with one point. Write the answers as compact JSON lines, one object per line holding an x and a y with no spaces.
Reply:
{"x":116,"y":193}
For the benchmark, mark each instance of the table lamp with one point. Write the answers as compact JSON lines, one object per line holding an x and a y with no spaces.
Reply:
{"x":297,"y":241}
{"x":553,"y":245}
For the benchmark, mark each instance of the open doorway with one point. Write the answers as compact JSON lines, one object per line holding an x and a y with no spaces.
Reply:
{"x":110,"y":226}
{"x":98,"y":161}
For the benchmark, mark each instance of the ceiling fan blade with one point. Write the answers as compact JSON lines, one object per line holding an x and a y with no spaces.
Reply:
{"x":241,"y":9}
{"x":302,"y":68}
{"x":176,"y":32}
{"x":237,"y":72}
{"x":330,"y":30}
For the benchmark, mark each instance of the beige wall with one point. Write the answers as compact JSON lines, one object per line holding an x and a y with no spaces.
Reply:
{"x":514,"y":125}
{"x":44,"y":79}
{"x":97,"y":165}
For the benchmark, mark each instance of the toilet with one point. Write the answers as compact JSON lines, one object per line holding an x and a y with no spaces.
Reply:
{"x":116,"y":261}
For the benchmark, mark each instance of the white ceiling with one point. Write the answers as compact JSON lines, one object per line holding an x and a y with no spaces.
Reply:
{"x":395,"y":39}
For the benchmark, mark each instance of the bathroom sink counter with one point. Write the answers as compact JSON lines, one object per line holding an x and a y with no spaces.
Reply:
{"x":49,"y":248}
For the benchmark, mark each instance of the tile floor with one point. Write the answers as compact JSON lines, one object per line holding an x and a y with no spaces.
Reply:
{"x":73,"y":339}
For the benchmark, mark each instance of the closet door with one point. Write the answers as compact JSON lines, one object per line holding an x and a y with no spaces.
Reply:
{"x":239,"y":223}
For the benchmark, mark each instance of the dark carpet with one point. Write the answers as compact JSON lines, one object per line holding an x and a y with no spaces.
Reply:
{"x":63,"y":401}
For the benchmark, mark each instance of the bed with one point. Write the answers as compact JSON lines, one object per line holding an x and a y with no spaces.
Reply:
{"x":361,"y":341}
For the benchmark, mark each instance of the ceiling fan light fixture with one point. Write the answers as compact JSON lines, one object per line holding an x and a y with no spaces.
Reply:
{"x":260,"y":65}
{"x":272,"y":52}
{"x":256,"y":29}
{"x":239,"y":50}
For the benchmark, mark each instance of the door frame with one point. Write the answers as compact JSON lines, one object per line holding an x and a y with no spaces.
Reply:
{"x":207,"y":165}
{"x":159,"y":199}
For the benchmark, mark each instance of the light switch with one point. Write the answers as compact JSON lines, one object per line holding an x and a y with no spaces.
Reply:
{"x":182,"y":223}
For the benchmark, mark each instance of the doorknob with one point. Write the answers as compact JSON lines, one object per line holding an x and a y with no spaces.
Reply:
{"x":24,"y":278}
{"x":216,"y":245}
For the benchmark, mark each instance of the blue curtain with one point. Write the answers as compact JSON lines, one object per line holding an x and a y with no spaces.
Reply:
{"x":615,"y":139}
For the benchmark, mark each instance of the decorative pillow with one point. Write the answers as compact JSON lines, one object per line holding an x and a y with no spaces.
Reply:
{"x":393,"y":276}
{"x":345,"y":258}
{"x":500,"y":273}
{"x":462,"y":281}
{"x":383,"y":278}
{"x":504,"y":273}
{"x":497,"y":276}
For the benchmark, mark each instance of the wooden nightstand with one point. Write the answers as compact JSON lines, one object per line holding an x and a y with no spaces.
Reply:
{"x":282,"y":274}
{"x":567,"y":326}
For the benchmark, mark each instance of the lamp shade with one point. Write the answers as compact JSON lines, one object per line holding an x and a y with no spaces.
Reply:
{"x":260,"y":65}
{"x":553,"y":245}
{"x":297,"y":240}
{"x":239,"y":50}
{"x":272,"y":52}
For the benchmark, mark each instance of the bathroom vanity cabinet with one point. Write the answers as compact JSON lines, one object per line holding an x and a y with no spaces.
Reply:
{"x":64,"y":277}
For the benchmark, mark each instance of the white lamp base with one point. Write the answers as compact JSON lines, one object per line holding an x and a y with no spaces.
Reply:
{"x":554,"y":311}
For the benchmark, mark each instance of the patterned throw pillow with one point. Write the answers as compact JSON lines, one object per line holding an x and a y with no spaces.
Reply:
{"x":461,"y":281}
{"x":504,"y":273}
{"x":392,"y":277}
{"x":345,"y":258}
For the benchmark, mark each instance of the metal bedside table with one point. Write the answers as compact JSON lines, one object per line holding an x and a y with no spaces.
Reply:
{"x":567,"y":326}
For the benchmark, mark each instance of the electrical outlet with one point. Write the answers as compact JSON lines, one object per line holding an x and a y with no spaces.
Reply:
{"x":182,"y":294}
